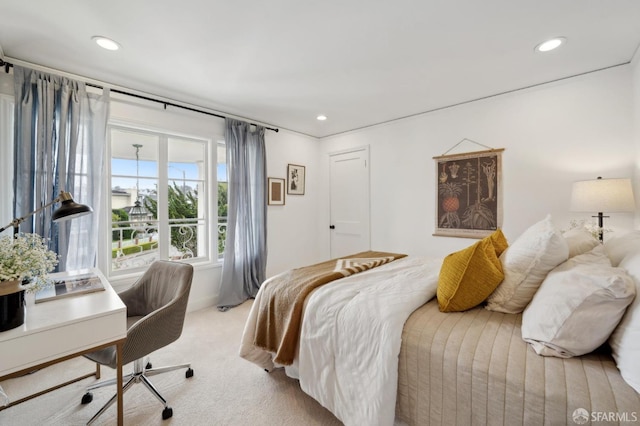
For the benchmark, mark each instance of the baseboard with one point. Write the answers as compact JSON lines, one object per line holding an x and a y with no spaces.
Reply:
{"x":202,"y":303}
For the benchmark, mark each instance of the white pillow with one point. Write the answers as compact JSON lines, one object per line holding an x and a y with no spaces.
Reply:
{"x":576,"y":309}
{"x":596,"y":256}
{"x":579,"y":241}
{"x":625,"y":340}
{"x":525,"y":264}
{"x":618,"y":247}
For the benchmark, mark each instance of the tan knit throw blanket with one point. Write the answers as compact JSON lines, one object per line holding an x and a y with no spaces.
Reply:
{"x":282,"y":299}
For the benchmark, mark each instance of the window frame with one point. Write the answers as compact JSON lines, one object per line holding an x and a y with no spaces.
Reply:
{"x":220,"y":253}
{"x":210,"y":217}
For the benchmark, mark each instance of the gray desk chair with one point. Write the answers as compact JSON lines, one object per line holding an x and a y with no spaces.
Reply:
{"x":156,"y":307}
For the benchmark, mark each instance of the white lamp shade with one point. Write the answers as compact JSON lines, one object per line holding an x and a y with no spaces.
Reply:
{"x":603,"y":195}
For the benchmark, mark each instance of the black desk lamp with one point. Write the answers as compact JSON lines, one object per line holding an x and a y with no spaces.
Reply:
{"x":69,"y":209}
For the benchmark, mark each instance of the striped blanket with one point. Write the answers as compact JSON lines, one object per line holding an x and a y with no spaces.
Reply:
{"x":281,"y":299}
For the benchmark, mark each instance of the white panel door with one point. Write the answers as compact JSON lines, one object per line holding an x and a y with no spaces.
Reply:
{"x":349,"y":200}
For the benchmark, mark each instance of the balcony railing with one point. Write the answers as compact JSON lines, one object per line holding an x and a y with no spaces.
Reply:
{"x":136,"y":244}
{"x":222,"y":235}
{"x":133,"y":244}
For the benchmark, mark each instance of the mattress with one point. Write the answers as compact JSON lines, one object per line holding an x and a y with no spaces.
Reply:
{"x":474,"y":368}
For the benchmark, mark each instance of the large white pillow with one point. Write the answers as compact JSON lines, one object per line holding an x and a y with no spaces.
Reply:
{"x":625,"y":340}
{"x":575,"y":310}
{"x":579,"y":240}
{"x":525,"y":264}
{"x":618,"y":247}
{"x":596,"y":256}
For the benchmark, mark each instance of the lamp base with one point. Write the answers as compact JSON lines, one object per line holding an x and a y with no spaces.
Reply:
{"x":11,"y":310}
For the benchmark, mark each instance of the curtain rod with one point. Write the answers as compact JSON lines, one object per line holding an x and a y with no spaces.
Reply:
{"x":8,"y":65}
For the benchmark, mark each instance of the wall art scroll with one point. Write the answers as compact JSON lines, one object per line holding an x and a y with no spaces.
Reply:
{"x":469,"y":194}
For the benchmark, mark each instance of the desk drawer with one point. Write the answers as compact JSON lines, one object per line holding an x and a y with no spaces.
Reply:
{"x":48,"y":345}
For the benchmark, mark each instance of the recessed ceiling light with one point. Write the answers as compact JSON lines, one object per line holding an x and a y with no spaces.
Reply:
{"x":551,"y":44}
{"x":106,"y":43}
{"x":321,"y":117}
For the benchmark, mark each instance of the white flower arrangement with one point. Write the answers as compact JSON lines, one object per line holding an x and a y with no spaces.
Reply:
{"x":593,"y":229}
{"x":26,"y":258}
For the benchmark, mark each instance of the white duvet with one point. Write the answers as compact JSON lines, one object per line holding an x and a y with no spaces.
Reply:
{"x":351,"y":335}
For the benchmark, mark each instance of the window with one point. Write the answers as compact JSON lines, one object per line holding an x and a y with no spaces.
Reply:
{"x":159,"y":198}
{"x":222,"y":197}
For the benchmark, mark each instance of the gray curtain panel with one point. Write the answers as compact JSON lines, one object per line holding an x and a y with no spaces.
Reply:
{"x":59,"y":140}
{"x":245,"y":253}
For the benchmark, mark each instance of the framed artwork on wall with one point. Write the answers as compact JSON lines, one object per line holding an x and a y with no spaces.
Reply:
{"x":275,"y":189}
{"x":469,"y":194}
{"x":295,"y":179}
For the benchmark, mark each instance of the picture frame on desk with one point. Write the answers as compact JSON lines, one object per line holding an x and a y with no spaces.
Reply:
{"x":72,"y":286}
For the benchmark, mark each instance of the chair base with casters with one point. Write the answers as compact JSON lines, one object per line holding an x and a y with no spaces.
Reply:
{"x":140,"y":374}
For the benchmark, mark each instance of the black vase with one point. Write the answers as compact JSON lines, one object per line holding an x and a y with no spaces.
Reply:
{"x":11,"y":310}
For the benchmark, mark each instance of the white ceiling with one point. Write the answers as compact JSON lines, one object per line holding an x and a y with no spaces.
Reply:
{"x":283,"y":62}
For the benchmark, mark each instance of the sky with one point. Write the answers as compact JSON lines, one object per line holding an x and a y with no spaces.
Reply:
{"x":176,"y":171}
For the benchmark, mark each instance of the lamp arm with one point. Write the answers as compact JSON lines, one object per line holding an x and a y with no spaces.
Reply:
{"x":15,"y":223}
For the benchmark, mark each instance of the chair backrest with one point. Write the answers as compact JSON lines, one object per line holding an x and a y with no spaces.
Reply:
{"x":160,"y":297}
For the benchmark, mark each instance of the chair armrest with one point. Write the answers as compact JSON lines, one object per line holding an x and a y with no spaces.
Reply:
{"x":127,"y":296}
{"x":134,"y":300}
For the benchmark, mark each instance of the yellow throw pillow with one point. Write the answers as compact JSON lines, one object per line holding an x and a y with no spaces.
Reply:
{"x":469,"y":276}
{"x":499,"y":241}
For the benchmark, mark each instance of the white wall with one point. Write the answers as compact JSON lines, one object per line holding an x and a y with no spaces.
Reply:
{"x":553,"y":135}
{"x":292,"y":229}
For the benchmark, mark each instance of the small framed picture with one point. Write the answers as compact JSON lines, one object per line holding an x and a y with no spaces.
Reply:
{"x":275,"y":188}
{"x":295,"y":179}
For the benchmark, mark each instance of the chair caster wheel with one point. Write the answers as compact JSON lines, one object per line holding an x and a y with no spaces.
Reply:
{"x":167,"y":412}
{"x":87,"y":398}
{"x":149,"y":366}
{"x":189,"y":373}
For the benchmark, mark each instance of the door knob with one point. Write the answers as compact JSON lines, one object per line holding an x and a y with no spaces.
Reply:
{"x":332,"y":227}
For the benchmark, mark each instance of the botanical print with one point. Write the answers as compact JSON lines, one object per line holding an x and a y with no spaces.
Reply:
{"x":468,"y":196}
{"x":295,"y":179}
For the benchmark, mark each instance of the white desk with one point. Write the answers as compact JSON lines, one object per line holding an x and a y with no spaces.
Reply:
{"x":64,"y":328}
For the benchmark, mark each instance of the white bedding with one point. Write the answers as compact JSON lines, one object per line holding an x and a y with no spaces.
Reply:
{"x":351,"y":335}
{"x":350,"y":338}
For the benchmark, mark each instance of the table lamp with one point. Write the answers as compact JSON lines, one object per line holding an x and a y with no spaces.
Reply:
{"x":602,"y":195}
{"x":68,"y":209}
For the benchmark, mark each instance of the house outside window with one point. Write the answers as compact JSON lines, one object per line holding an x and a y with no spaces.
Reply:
{"x":160,"y":190}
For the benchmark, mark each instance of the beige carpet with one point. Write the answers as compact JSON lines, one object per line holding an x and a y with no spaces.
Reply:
{"x":225,"y":390}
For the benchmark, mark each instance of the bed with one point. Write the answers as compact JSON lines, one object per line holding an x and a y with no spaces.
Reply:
{"x":374,"y":348}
